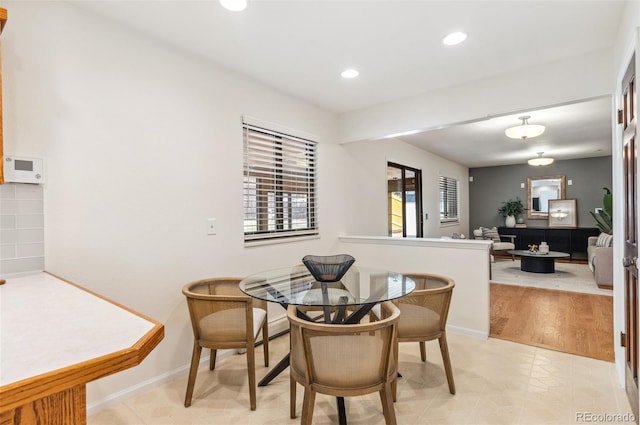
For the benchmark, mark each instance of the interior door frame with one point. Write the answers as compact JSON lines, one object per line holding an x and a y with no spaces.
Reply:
{"x":418,"y":199}
{"x":619,"y":194}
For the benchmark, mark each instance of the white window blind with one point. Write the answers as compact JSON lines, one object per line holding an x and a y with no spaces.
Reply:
{"x":280,"y":197}
{"x":448,"y":200}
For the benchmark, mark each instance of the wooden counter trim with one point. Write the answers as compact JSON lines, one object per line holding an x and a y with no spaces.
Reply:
{"x":28,"y":390}
{"x":3,"y":18}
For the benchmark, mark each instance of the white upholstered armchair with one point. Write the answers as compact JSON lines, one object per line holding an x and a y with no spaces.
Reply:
{"x":499,"y":243}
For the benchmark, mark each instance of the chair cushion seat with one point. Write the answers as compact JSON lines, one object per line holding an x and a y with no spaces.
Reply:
{"x":416,"y":321}
{"x":229,"y":325}
{"x":503,"y":246}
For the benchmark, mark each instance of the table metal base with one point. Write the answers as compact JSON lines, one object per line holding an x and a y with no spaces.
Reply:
{"x":537,"y":264}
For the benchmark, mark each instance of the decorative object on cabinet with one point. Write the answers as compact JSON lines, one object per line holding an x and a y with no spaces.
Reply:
{"x":540,"y":190}
{"x":543,"y":248}
{"x":563,"y":213}
{"x":510,"y":209}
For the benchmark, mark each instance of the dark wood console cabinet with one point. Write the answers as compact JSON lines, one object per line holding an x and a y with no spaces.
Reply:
{"x":571,"y":240}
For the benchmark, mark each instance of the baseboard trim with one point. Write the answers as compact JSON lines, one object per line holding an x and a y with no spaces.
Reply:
{"x":276,"y":328}
{"x":466,"y":331}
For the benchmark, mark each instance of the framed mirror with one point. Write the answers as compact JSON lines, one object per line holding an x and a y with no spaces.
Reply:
{"x":539,"y":191}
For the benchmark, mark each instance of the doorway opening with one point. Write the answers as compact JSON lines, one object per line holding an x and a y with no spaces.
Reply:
{"x":404,"y":194}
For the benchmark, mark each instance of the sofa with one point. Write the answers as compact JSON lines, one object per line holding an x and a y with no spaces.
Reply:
{"x":600,"y":257}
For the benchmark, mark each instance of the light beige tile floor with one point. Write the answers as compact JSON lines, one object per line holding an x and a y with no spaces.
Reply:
{"x":498,"y":382}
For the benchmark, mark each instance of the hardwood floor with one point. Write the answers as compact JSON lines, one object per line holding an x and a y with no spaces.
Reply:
{"x":570,"y":322}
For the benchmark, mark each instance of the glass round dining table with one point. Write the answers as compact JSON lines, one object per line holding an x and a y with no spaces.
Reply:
{"x":360,"y":288}
{"x":356,"y":293}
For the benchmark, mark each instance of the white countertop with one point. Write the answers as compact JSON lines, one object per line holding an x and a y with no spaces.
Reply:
{"x":47,"y":324}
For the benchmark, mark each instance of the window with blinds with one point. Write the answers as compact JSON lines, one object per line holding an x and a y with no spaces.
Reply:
{"x":280,"y":199}
{"x":449,"y":207}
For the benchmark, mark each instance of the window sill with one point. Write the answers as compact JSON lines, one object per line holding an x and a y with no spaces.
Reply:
{"x":450,"y":224}
{"x":250,"y":244}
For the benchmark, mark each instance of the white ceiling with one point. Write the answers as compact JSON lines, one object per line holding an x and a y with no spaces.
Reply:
{"x":300,"y":47}
{"x":580,"y":130}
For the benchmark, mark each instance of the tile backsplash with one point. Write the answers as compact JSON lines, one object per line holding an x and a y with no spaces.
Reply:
{"x":21,"y":228}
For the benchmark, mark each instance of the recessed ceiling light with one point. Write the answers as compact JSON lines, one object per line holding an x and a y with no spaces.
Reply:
{"x":454,"y":38}
{"x":350,"y":73}
{"x":234,"y":5}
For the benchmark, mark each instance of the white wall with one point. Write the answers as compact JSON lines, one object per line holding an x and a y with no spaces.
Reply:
{"x":143,"y":143}
{"x":367,"y":185}
{"x":469,"y":311}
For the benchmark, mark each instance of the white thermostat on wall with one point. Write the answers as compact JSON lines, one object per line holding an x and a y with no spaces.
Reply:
{"x":23,"y":169}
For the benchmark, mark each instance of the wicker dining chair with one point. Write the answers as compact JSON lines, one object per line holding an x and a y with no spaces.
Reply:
{"x":343,"y":360}
{"x":424,"y":316}
{"x":222,"y":317}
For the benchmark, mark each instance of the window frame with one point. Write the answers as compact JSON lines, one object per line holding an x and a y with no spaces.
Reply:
{"x":445,"y":199}
{"x":278,"y":168}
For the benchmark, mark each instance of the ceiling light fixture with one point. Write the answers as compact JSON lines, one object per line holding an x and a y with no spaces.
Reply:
{"x":525,"y":130}
{"x":350,"y":73}
{"x":234,"y":5}
{"x":454,"y":38}
{"x":539,"y":161}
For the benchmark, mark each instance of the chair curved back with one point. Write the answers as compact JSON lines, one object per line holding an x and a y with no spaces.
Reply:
{"x":426,"y":309}
{"x":223,"y":317}
{"x":424,"y":314}
{"x":344,"y":360}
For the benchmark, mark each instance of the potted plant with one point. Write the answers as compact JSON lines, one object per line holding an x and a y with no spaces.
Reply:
{"x":510,"y":209}
{"x":604,"y":217}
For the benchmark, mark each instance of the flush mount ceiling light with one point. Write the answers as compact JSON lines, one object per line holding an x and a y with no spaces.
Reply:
{"x":350,"y":73}
{"x":234,"y":5}
{"x":539,"y":161}
{"x":525,"y":130}
{"x":454,"y":38}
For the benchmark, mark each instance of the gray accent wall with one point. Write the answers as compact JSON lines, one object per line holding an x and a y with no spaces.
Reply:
{"x":493,"y":185}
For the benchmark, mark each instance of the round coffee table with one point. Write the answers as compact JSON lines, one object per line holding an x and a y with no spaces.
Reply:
{"x":538,"y":263}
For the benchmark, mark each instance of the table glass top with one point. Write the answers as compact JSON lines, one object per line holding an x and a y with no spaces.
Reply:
{"x":295,"y":285}
{"x":527,"y":253}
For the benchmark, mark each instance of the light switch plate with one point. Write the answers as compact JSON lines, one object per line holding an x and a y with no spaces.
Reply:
{"x":211,"y":226}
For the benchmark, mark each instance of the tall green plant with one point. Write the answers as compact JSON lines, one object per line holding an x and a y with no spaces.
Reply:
{"x":604,"y":217}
